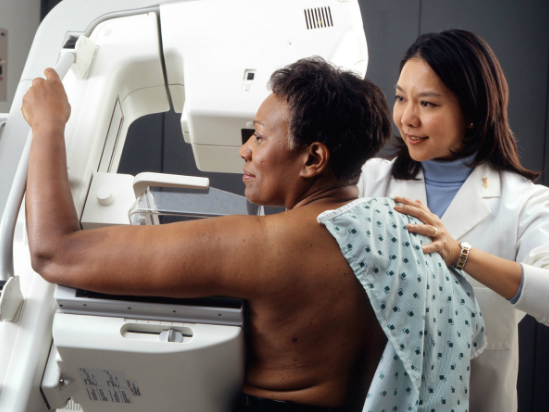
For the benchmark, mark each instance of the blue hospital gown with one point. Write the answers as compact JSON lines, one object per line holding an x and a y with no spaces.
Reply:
{"x":427,"y":310}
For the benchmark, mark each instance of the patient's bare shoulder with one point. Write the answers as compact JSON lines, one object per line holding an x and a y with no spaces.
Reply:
{"x":299,"y":249}
{"x":260,"y":256}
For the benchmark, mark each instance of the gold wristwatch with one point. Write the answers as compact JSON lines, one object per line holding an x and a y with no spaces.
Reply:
{"x":465,"y":249}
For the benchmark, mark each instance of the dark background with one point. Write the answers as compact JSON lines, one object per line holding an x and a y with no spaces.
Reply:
{"x":518,"y":32}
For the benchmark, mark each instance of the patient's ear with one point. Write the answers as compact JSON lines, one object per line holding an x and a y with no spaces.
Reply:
{"x":318,"y":156}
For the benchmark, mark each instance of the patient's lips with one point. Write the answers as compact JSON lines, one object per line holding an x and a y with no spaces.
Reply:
{"x":247,"y":176}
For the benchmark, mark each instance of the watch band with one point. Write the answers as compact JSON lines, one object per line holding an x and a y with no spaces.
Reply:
{"x":465,"y":249}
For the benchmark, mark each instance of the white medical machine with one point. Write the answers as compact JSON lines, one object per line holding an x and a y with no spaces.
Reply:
{"x":210,"y":60}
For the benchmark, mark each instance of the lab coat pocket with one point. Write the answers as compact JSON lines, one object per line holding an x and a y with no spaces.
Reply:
{"x":499,"y":318}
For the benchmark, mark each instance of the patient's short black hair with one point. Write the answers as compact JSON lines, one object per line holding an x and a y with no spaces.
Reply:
{"x":337,"y":108}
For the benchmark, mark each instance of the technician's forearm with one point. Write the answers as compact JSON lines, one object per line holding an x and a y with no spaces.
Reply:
{"x":501,"y":275}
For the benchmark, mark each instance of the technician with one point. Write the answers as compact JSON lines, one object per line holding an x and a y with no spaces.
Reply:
{"x":459,"y":158}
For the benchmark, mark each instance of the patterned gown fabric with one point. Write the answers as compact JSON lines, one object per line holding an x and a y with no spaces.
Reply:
{"x":427,"y":310}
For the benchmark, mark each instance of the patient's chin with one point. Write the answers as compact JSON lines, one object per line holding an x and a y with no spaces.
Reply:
{"x":252,"y":197}
{"x":259,"y":200}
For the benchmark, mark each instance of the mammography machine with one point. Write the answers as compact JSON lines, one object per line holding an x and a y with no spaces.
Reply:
{"x":210,"y":60}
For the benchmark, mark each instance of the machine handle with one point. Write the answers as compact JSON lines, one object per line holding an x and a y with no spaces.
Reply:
{"x":17,"y":192}
{"x":146,"y":179}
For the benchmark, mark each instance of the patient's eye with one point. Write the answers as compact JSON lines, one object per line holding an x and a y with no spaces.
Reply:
{"x":399,"y":98}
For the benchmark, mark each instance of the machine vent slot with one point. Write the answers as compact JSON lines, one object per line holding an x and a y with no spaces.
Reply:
{"x":318,"y":18}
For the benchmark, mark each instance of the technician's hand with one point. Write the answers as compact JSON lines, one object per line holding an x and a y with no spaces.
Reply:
{"x":443,"y":243}
{"x":46,"y":105}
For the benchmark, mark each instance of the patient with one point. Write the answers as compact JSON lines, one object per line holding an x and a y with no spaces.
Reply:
{"x":315,"y":341}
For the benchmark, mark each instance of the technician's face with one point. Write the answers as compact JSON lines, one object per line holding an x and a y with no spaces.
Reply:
{"x":271,"y":168}
{"x":427,"y":114}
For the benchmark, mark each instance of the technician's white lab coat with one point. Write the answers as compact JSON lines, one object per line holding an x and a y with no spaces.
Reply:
{"x":507,"y":218}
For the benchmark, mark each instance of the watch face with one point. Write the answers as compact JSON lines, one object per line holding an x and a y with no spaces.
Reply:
{"x":465,"y":245}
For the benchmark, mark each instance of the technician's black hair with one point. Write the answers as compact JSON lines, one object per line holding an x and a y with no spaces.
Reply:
{"x":468,"y":67}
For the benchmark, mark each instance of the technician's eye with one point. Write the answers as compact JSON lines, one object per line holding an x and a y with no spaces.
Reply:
{"x":399,"y":98}
{"x":427,"y":104}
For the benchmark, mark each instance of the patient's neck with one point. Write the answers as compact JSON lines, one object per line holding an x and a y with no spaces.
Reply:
{"x":327,"y":192}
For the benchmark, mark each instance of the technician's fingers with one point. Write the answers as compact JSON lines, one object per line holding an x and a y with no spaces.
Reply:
{"x":418,"y":210}
{"x":447,"y":247}
{"x":414,"y":203}
{"x":432,"y":226}
{"x":422,"y":205}
{"x":432,"y":248}
{"x":427,"y":230}
{"x":415,"y":211}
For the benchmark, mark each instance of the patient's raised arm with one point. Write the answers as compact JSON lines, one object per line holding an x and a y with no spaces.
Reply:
{"x":179,"y":260}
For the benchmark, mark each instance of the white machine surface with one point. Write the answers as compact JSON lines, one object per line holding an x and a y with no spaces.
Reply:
{"x":210,"y":60}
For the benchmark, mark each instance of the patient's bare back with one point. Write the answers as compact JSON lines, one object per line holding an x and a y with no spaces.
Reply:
{"x":314,"y":337}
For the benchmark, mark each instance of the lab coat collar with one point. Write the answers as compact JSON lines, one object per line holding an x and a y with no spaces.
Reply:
{"x":412,"y":189}
{"x":469,"y":207}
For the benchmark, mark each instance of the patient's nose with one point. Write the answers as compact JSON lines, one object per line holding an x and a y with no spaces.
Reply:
{"x":245,"y":152}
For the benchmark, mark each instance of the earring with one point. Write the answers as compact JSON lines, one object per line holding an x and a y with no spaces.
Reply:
{"x":471,"y":125}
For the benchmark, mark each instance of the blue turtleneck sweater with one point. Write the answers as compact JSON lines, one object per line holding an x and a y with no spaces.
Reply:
{"x":443,"y":179}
